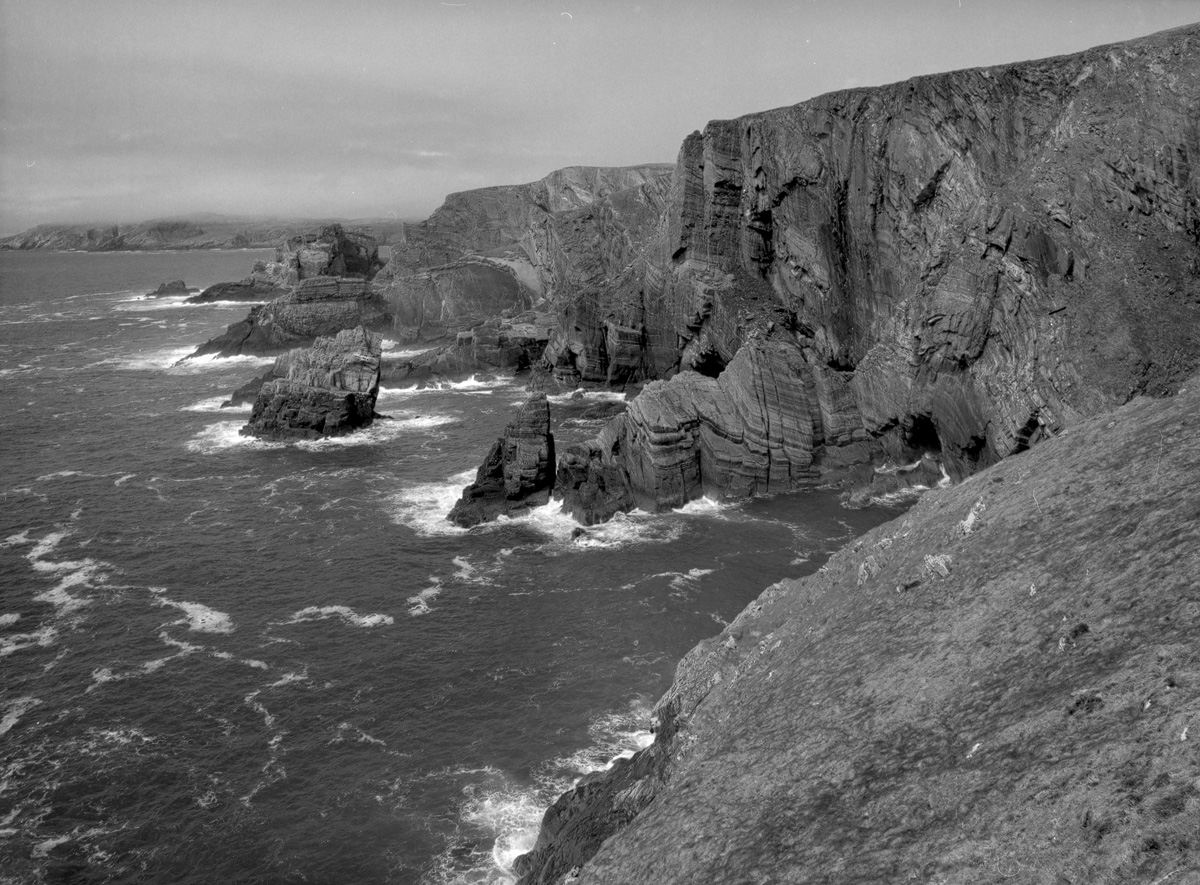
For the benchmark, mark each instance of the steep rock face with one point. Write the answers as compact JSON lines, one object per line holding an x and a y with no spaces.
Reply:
{"x":977,"y":259}
{"x":518,"y":472}
{"x":573,"y":243}
{"x":998,"y":686}
{"x":757,"y":429}
{"x":317,"y":306}
{"x":328,"y":389}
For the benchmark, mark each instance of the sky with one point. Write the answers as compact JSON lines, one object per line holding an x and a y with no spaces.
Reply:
{"x":124,"y":110}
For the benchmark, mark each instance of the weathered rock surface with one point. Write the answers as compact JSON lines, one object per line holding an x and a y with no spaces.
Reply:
{"x":317,"y":306}
{"x":318,"y":284}
{"x":1001,"y":685}
{"x":505,"y":343}
{"x":175,"y":287}
{"x":328,"y":389}
{"x":572,"y":244}
{"x":964,"y":263}
{"x":759,"y":428}
{"x":518,"y":472}
{"x":252,"y":288}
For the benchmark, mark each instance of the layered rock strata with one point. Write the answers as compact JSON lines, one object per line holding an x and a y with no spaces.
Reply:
{"x":328,"y":389}
{"x":975,"y":260}
{"x":317,"y":306}
{"x":573,"y":244}
{"x":318,"y":284}
{"x":518,"y":472}
{"x":1001,"y":685}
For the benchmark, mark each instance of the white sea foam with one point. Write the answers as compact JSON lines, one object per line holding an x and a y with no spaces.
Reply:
{"x":510,"y":814}
{"x":61,"y":474}
{"x":424,"y":507}
{"x":624,"y":529}
{"x":213,"y":404}
{"x":7,"y":620}
{"x":591,"y":396}
{"x":124,"y":479}
{"x":706,"y":506}
{"x":347,"y":615}
{"x":474,"y":384}
{"x":14,"y":710}
{"x":42,"y":637}
{"x":224,"y":435}
{"x":199,"y":618}
{"x":419,"y":604}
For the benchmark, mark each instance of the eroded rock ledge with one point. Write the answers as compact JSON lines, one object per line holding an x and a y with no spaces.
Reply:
{"x":1001,"y":685}
{"x":328,"y":389}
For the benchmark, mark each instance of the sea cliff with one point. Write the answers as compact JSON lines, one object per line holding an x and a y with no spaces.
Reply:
{"x":964,"y":263}
{"x":998,"y":267}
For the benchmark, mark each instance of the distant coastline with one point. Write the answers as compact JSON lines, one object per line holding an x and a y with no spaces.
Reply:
{"x":180,"y":234}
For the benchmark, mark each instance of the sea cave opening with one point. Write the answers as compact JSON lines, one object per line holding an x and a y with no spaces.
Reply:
{"x":709,"y":364}
{"x":922,"y":435}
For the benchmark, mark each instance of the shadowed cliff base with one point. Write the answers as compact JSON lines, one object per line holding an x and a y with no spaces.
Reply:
{"x":1002,"y":685}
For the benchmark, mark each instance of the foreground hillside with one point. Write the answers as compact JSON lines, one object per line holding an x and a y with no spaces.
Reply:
{"x":1001,"y":686}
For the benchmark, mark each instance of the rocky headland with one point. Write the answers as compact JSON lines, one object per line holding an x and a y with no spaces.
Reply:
{"x":986,"y":281}
{"x":328,"y":389}
{"x":319,"y":284}
{"x":961,"y":264}
{"x":518,"y":472}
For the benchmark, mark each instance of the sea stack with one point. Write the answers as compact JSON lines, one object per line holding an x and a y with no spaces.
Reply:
{"x":518,"y":472}
{"x":328,"y":389}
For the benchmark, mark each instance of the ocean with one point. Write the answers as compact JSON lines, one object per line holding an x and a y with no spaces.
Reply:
{"x":226,"y":660}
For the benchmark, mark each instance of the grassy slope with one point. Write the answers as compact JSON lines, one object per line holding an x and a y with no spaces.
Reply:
{"x":1032,"y":715}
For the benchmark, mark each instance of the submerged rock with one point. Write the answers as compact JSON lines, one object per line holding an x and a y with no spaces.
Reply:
{"x":518,"y":472}
{"x":328,"y":389}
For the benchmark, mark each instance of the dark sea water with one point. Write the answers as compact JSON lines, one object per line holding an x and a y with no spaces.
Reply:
{"x":231,"y":661}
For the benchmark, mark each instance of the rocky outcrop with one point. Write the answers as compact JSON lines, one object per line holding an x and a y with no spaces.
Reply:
{"x":318,"y":306}
{"x":175,"y":287}
{"x":518,"y":472}
{"x":963,"y":264}
{"x":328,"y":389}
{"x":318,"y":284}
{"x":252,"y":288}
{"x":1000,"y":685}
